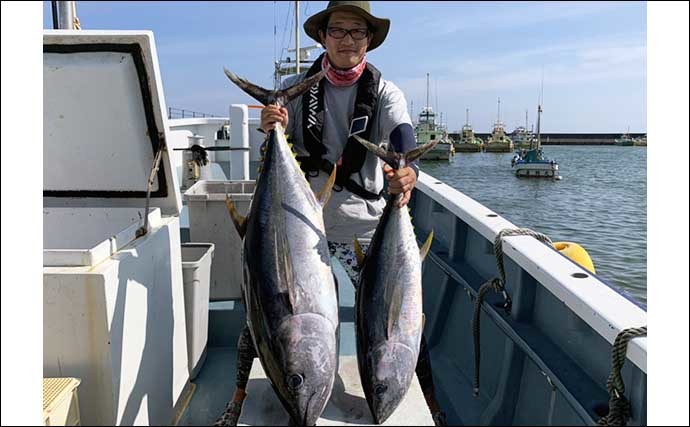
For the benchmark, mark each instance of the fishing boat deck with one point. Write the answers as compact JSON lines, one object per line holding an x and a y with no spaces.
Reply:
{"x":215,"y":384}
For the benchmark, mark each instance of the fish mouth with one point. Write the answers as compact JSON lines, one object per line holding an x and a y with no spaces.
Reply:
{"x":308,"y":418}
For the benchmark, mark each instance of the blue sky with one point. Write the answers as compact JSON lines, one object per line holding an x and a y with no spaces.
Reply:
{"x":593,"y":55}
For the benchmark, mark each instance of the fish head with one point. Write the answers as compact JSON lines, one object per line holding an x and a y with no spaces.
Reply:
{"x":308,"y":347}
{"x":392,"y":368}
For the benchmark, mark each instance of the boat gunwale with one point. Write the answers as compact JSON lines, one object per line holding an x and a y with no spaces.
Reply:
{"x":600,"y":305}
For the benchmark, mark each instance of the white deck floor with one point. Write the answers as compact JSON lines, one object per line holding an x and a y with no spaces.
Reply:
{"x":347,"y":405}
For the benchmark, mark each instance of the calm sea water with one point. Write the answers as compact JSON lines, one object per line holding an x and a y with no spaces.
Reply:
{"x":601,"y":203}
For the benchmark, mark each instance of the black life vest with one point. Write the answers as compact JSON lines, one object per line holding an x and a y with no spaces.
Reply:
{"x":354,"y":154}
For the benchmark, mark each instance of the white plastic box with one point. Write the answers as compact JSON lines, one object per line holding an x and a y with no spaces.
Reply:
{"x":113,"y":297}
{"x":60,"y":402}
{"x":196,"y":271}
{"x":209,"y":221}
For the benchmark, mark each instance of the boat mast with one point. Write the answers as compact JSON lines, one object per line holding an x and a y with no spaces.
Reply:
{"x":539,"y":127}
{"x":539,"y":110}
{"x":498,"y":117}
{"x":467,"y":116}
{"x":427,"y":97}
{"x":297,"y":37}
{"x":526,"y":111}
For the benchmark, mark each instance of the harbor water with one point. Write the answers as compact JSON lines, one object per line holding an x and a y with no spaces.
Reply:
{"x":601,"y":203}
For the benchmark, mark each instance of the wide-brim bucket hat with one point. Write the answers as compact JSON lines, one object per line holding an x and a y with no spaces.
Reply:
{"x":378,"y":26}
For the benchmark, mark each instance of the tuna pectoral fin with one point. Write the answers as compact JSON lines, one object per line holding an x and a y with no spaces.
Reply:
{"x":424,"y":250}
{"x":266,"y":96}
{"x":283,"y":259}
{"x":327,"y":190}
{"x":237,"y":219}
{"x":393,"y":298}
{"x":359,"y":252}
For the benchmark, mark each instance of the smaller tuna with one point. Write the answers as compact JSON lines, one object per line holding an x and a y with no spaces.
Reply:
{"x":388,"y":311}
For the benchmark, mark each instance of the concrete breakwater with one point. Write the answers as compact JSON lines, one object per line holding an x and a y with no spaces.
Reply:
{"x":566,"y":138}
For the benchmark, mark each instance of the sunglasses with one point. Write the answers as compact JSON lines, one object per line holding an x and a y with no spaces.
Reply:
{"x":341,"y":33}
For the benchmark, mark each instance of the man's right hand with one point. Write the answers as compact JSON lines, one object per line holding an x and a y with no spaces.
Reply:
{"x":272,"y":114}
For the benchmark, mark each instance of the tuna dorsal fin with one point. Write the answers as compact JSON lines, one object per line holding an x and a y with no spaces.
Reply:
{"x":394,"y":296}
{"x":327,"y":190}
{"x":266,"y":96}
{"x":424,"y":250}
{"x":359,"y":252}
{"x":282,"y":248}
{"x":237,"y":219}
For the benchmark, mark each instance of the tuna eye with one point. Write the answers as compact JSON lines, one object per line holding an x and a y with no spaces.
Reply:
{"x":380,"y":389}
{"x":295,"y":381}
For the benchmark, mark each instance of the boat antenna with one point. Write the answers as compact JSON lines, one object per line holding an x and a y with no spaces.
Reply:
{"x":427,"y":89}
{"x":467,"y":116}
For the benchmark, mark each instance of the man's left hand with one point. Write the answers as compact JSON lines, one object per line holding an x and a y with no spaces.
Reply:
{"x":400,"y":181}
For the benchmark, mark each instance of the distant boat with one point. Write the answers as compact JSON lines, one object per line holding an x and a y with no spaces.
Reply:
{"x":640,"y":141}
{"x":626,"y":140}
{"x":499,"y":142}
{"x":532,"y":163}
{"x":428,"y":130}
{"x":469,"y":143}
{"x":521,"y":136}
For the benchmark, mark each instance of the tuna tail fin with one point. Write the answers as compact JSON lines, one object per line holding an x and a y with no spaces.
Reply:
{"x":280,"y":97}
{"x":397,"y":160}
{"x":325,"y":194}
{"x":413,"y":155}
{"x":359,"y":252}
{"x":237,"y":219}
{"x":283,"y":259}
{"x":424,"y":250}
{"x":390,"y":157}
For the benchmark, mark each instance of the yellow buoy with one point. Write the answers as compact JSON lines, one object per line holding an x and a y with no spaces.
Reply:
{"x":576,"y":253}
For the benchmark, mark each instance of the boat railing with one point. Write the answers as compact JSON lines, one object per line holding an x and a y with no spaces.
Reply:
{"x":599,"y":305}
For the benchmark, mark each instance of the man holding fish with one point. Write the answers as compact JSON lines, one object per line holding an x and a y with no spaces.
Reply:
{"x":352,"y":99}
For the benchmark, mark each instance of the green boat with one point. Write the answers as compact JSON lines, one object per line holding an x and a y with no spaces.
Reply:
{"x":469,"y":143}
{"x":499,"y":142}
{"x":625,"y":140}
{"x":428,"y":130}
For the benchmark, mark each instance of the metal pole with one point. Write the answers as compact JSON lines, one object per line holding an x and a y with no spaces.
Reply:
{"x":297,"y":37}
{"x":65,"y":15}
{"x":53,"y":7}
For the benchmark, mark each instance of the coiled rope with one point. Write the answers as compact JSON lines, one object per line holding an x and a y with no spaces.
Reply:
{"x":619,"y":406}
{"x":498,"y":286}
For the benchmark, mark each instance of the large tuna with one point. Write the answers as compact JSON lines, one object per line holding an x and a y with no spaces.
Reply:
{"x":288,"y":289}
{"x":388,"y":313}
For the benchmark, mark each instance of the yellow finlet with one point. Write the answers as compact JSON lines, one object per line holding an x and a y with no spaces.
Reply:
{"x":237,"y":219}
{"x":427,"y":245}
{"x":359,"y":252}
{"x":325,"y":193}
